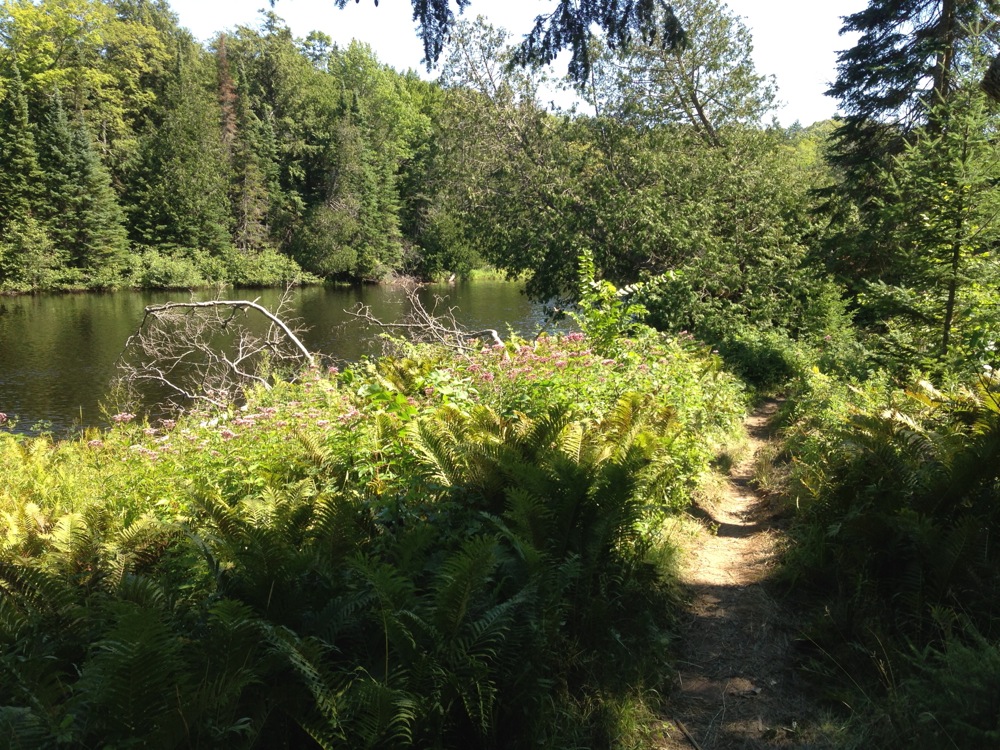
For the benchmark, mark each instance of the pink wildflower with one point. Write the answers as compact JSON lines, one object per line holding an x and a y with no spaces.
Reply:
{"x":227,"y":434}
{"x":95,"y":443}
{"x":3,"y":417}
{"x":122,"y":418}
{"x":488,"y":377}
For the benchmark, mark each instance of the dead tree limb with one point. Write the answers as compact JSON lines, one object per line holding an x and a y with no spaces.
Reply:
{"x":432,"y":326}
{"x":184,"y":353}
{"x":238,"y":305}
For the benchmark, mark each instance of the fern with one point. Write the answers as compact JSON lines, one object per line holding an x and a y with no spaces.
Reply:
{"x":131,"y":683}
{"x":459,"y":580}
{"x":321,"y":718}
{"x":438,"y":447}
{"x":381,"y":715}
{"x":23,"y":729}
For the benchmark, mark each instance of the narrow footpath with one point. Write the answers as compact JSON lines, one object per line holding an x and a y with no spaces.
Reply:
{"x":736,"y":686}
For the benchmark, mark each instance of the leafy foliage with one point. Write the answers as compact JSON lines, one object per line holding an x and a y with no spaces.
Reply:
{"x":390,"y":556}
{"x":568,"y":25}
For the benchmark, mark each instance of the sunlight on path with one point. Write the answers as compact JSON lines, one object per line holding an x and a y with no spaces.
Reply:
{"x":735,"y":684}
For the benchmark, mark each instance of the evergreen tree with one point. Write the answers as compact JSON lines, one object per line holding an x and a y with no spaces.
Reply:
{"x":28,"y":257}
{"x":181,"y":199}
{"x":80,"y":209}
{"x":20,"y":174}
{"x":99,"y":242}
{"x":940,"y":218}
{"x":567,"y":25}
{"x":903,"y":64}
{"x":355,"y":230}
{"x":250,"y":192}
{"x":29,"y":260}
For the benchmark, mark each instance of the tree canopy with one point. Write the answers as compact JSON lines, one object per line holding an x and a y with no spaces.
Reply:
{"x":568,"y":25}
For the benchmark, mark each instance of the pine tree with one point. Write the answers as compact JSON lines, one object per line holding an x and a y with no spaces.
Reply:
{"x":241,"y":138}
{"x":941,"y":221}
{"x":182,"y":197}
{"x":228,"y":98}
{"x":903,"y":64}
{"x":99,"y":244}
{"x":28,"y":257}
{"x":80,"y":210}
{"x":20,"y":174}
{"x":568,"y":25}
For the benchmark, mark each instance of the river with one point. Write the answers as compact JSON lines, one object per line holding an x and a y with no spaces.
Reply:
{"x":58,"y":352}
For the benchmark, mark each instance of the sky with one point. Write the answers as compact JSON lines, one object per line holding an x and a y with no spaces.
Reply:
{"x":794,"y":40}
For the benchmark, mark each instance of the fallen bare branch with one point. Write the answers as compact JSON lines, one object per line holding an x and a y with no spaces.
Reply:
{"x":238,"y":305}
{"x":433,"y":326}
{"x":184,"y":353}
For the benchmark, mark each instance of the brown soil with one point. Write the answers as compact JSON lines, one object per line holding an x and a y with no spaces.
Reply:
{"x":736,"y":685}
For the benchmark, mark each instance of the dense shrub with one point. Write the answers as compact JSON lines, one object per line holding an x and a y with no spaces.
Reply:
{"x":897,"y":494}
{"x":186,"y":268}
{"x":422,"y":551}
{"x":899,"y":501}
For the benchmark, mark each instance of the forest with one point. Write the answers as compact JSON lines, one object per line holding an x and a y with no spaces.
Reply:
{"x":475,"y":544}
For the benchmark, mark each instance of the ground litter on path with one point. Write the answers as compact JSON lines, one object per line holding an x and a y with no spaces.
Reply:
{"x":736,"y":685}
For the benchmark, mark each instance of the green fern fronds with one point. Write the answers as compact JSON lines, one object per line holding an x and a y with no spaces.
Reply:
{"x":317,"y":454}
{"x":460,"y":579}
{"x":438,"y":448}
{"x":22,"y":728}
{"x":24,"y":529}
{"x":37,"y":593}
{"x":304,"y":657}
{"x":380,"y":715}
{"x":627,"y":419}
{"x":129,"y":686}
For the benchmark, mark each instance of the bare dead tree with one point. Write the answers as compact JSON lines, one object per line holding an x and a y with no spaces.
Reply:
{"x":184,"y":353}
{"x":435,"y":326}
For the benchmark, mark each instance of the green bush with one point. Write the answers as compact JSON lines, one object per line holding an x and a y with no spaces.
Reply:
{"x":427,"y":551}
{"x":152,"y":269}
{"x":267,"y":268}
{"x":766,"y":359}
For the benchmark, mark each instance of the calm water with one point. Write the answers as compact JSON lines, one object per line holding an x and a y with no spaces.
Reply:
{"x":58,"y":353}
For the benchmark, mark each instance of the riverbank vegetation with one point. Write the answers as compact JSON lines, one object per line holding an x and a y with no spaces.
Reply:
{"x":420,"y":550}
{"x":444,"y":550}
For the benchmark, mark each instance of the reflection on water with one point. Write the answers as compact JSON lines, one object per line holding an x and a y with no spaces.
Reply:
{"x":58,"y":353}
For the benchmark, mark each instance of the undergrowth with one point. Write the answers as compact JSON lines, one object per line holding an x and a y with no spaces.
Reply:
{"x":895,"y":492}
{"x":419,"y":551}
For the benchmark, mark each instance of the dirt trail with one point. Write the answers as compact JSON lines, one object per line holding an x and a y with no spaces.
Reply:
{"x":735,"y":685}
